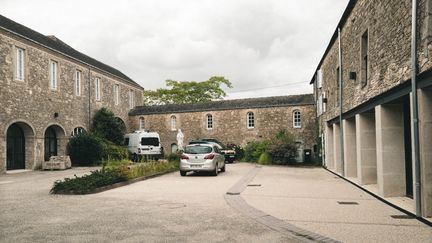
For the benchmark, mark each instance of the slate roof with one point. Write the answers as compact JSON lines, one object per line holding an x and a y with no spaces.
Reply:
{"x":266,"y":102}
{"x":56,"y":44}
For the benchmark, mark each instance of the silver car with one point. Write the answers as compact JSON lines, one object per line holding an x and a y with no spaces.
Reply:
{"x":202,"y":157}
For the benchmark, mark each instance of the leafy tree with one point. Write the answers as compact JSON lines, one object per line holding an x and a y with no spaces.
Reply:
{"x":106,"y":126}
{"x":182,"y":92}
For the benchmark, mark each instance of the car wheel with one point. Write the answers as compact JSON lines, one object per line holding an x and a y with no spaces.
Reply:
{"x":135,"y":158}
{"x":215,"y":171}
{"x":183,"y":173}
{"x":223,"y":168}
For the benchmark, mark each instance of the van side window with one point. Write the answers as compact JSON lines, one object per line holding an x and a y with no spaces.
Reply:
{"x":126,"y":142}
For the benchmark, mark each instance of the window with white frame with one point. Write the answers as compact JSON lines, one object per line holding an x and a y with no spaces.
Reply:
{"x":53,"y":74}
{"x":97,"y":89}
{"x":19,"y":65}
{"x":173,"y":122}
{"x":116,"y":94}
{"x":141,"y":123}
{"x":131,"y":99}
{"x":77,"y":83}
{"x":296,"y":119}
{"x":77,"y":131}
{"x":250,"y":120}
{"x":209,"y":121}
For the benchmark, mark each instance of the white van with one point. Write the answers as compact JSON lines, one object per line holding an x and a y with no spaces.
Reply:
{"x":143,"y":144}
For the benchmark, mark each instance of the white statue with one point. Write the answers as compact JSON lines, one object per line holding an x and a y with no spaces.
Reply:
{"x":180,"y":138}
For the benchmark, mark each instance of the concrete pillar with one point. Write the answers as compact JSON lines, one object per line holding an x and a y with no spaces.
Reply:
{"x":329,"y":158}
{"x":425,"y":117}
{"x":336,"y":149}
{"x":349,"y":144}
{"x":390,"y":150}
{"x":366,"y":149}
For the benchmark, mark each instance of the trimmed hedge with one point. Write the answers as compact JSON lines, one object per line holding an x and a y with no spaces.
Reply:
{"x":87,"y":183}
{"x":85,"y":150}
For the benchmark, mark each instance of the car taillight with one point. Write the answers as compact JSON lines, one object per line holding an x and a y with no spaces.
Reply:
{"x":184,"y":156}
{"x":209,"y":156}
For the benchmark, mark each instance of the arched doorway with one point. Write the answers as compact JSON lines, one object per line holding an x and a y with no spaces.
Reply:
{"x":50,"y":139}
{"x":122,"y":124}
{"x":15,"y":157}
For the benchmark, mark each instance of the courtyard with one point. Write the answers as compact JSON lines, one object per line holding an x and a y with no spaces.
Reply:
{"x":197,"y":208}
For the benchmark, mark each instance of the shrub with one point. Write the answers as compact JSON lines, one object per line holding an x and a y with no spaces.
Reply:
{"x":282,"y":149}
{"x":87,"y":183}
{"x":86,"y":150}
{"x":264,"y":159}
{"x":114,"y":152}
{"x":105,"y":125}
{"x":254,"y":149}
{"x":173,"y":157}
{"x":238,"y":150}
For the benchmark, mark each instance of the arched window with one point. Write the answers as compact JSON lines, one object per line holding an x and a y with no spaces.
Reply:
{"x":250,"y":120}
{"x":209,"y":121}
{"x":141,"y":123}
{"x":296,"y":119}
{"x":173,"y":122}
{"x":77,"y":131}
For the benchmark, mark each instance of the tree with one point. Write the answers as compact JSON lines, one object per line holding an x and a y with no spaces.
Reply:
{"x":105,"y":125}
{"x":182,"y":92}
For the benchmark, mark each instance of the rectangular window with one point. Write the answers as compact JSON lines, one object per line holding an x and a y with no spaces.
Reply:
{"x":319,"y":78}
{"x":364,"y":59}
{"x":337,"y":86}
{"x":250,"y":120}
{"x":53,"y":75}
{"x":131,"y":99}
{"x":209,"y":122}
{"x":19,"y":65}
{"x":97,"y":89}
{"x":116,"y":94}
{"x":77,"y":83}
{"x":297,"y":119}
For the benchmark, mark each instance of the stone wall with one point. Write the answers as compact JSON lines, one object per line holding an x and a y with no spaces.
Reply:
{"x":229,"y":126}
{"x":388,"y":24}
{"x":36,"y":106}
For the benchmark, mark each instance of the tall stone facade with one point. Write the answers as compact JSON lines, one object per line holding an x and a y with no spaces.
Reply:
{"x":35,"y":116}
{"x":374,"y":144}
{"x":229,"y":120}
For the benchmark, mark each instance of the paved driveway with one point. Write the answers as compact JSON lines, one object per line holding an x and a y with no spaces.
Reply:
{"x":195,"y":208}
{"x":169,"y":208}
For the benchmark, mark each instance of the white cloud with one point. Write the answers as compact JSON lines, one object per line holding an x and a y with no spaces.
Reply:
{"x":254,"y":43}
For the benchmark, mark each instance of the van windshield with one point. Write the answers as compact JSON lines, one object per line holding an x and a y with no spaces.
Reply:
{"x":198,"y":149}
{"x":150,"y":141}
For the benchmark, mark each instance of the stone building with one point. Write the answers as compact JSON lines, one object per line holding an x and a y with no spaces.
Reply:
{"x":363,"y":92}
{"x":49,"y":92}
{"x":231,"y":121}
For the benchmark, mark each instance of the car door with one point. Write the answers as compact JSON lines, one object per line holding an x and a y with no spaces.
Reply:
{"x":220,"y":157}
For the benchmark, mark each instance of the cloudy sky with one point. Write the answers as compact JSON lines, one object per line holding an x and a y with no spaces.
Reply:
{"x":264,"y":47}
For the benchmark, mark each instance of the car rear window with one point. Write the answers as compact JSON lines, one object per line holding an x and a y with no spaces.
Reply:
{"x":150,"y":141}
{"x":198,"y":149}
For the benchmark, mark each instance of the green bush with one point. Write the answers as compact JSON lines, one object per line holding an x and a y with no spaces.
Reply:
{"x":86,"y":150}
{"x":87,"y":183}
{"x":264,"y":159}
{"x":282,"y":149}
{"x":173,"y":157}
{"x":254,"y":149}
{"x":238,"y":150}
{"x":114,"y":152}
{"x":106,"y":126}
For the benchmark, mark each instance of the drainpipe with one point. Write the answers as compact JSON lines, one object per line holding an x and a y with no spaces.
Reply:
{"x":340,"y":105}
{"x":415,"y":109}
{"x":89,"y":99}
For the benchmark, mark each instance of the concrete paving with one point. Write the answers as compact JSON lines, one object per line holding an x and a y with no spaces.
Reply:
{"x":172,"y":208}
{"x":308,"y":198}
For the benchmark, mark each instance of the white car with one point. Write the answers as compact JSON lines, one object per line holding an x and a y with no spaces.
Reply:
{"x":202,"y":157}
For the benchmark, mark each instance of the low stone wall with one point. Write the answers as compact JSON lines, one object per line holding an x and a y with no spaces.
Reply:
{"x":57,"y":163}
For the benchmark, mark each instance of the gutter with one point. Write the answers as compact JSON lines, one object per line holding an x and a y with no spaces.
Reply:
{"x":414,"y":107}
{"x":342,"y":154}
